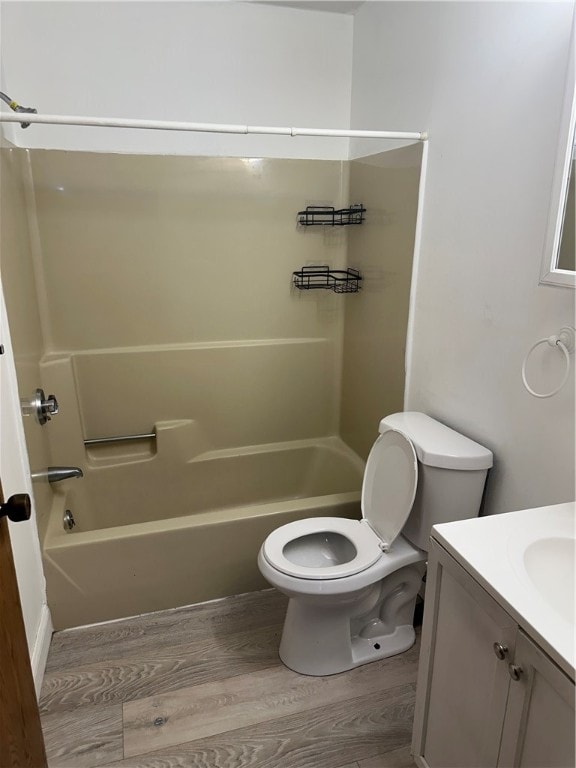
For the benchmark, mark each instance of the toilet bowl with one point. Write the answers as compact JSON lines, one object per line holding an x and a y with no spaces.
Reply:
{"x":353,"y":584}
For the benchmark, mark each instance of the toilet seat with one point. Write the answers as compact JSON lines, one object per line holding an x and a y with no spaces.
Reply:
{"x":388,"y":493}
{"x":365,"y":541}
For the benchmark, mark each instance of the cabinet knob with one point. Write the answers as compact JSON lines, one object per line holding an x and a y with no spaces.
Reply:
{"x":500,"y":650}
{"x":515,"y":671}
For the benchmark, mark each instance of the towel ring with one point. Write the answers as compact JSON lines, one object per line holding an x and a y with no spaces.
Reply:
{"x":565,"y":342}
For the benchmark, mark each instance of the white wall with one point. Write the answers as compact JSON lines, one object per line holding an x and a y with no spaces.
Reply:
{"x":217,"y":62}
{"x":487,"y":81}
{"x":15,"y":474}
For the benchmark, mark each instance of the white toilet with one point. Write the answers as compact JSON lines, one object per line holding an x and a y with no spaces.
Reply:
{"x":352,"y":584}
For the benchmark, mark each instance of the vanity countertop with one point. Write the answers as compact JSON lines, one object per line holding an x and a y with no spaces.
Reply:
{"x":525,"y":560}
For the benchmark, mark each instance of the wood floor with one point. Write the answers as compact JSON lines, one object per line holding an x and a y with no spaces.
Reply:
{"x":202,"y":687}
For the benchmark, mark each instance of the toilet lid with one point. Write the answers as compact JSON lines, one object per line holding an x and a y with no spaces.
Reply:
{"x":389,"y":485}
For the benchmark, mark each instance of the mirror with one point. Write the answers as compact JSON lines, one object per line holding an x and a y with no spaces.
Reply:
{"x":566,"y":259}
{"x":559,"y":258}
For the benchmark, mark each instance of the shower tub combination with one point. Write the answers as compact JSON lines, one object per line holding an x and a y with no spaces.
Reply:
{"x":172,"y":520}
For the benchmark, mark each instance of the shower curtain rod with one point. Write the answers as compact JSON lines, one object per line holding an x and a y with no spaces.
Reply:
{"x":169,"y":125}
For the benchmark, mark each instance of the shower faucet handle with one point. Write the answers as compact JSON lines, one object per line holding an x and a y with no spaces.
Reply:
{"x":50,"y":405}
{"x":43,"y":407}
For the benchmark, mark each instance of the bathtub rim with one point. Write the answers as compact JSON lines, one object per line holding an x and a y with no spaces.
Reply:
{"x":57,"y":538}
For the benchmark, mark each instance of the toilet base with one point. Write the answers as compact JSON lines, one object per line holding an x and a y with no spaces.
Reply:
{"x":363,"y":651}
{"x":325,"y":637}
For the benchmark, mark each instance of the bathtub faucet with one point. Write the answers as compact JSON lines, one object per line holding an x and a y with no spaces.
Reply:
{"x":55,"y":474}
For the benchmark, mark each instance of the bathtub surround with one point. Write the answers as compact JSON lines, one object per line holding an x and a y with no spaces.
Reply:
{"x":155,"y":250}
{"x":128,"y":252}
{"x":382,"y":251}
{"x":164,"y":291}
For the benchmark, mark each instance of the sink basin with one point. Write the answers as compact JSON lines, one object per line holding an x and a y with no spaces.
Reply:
{"x":549,"y":564}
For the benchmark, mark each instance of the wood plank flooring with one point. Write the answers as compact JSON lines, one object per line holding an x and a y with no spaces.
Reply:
{"x":203,"y":687}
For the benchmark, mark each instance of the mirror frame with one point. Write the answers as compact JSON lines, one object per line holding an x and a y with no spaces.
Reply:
{"x":549,"y":273}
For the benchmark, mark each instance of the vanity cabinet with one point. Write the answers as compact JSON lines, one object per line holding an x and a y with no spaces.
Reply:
{"x":487,"y":695}
{"x":539,"y":724}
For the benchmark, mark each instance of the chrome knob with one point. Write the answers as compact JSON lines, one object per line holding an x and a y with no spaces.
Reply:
{"x":500,"y":650}
{"x":50,"y":405}
{"x":44,"y":407}
{"x":515,"y":671}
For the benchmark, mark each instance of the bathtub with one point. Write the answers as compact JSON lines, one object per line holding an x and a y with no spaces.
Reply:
{"x":148,"y":538}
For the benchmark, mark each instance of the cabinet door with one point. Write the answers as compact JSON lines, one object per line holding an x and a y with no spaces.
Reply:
{"x":539,"y":725}
{"x":462,"y":684}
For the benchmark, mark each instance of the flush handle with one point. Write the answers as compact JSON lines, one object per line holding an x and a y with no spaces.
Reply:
{"x":500,"y":650}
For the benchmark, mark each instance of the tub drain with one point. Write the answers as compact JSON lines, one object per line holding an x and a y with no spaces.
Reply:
{"x":68,"y":520}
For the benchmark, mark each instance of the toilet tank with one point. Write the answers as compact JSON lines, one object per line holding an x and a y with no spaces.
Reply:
{"x":452,"y":472}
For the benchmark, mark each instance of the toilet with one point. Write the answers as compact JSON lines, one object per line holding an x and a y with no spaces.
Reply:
{"x":352,"y":584}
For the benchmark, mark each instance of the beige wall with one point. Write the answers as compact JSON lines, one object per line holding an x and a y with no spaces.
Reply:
{"x":141,"y":250}
{"x":150,"y":261}
{"x":376,"y":319}
{"x":18,"y":280}
{"x":168,"y":296}
{"x":231,"y":395}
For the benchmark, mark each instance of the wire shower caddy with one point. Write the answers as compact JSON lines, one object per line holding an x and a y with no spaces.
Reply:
{"x":328,"y":216}
{"x":322,"y":277}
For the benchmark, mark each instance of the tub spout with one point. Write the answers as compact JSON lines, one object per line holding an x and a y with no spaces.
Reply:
{"x":55,"y":474}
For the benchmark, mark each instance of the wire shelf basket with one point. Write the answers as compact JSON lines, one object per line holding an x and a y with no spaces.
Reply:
{"x":322,"y":277}
{"x":327,"y":216}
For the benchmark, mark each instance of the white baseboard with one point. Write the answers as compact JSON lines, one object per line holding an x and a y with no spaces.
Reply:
{"x":41,"y":647}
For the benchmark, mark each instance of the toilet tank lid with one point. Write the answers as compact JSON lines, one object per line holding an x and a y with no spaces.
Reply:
{"x":436,"y":444}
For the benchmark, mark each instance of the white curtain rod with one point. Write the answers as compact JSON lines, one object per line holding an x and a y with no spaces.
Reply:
{"x":168,"y":125}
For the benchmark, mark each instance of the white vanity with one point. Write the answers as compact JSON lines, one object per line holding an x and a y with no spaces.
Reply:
{"x":496,"y":675}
